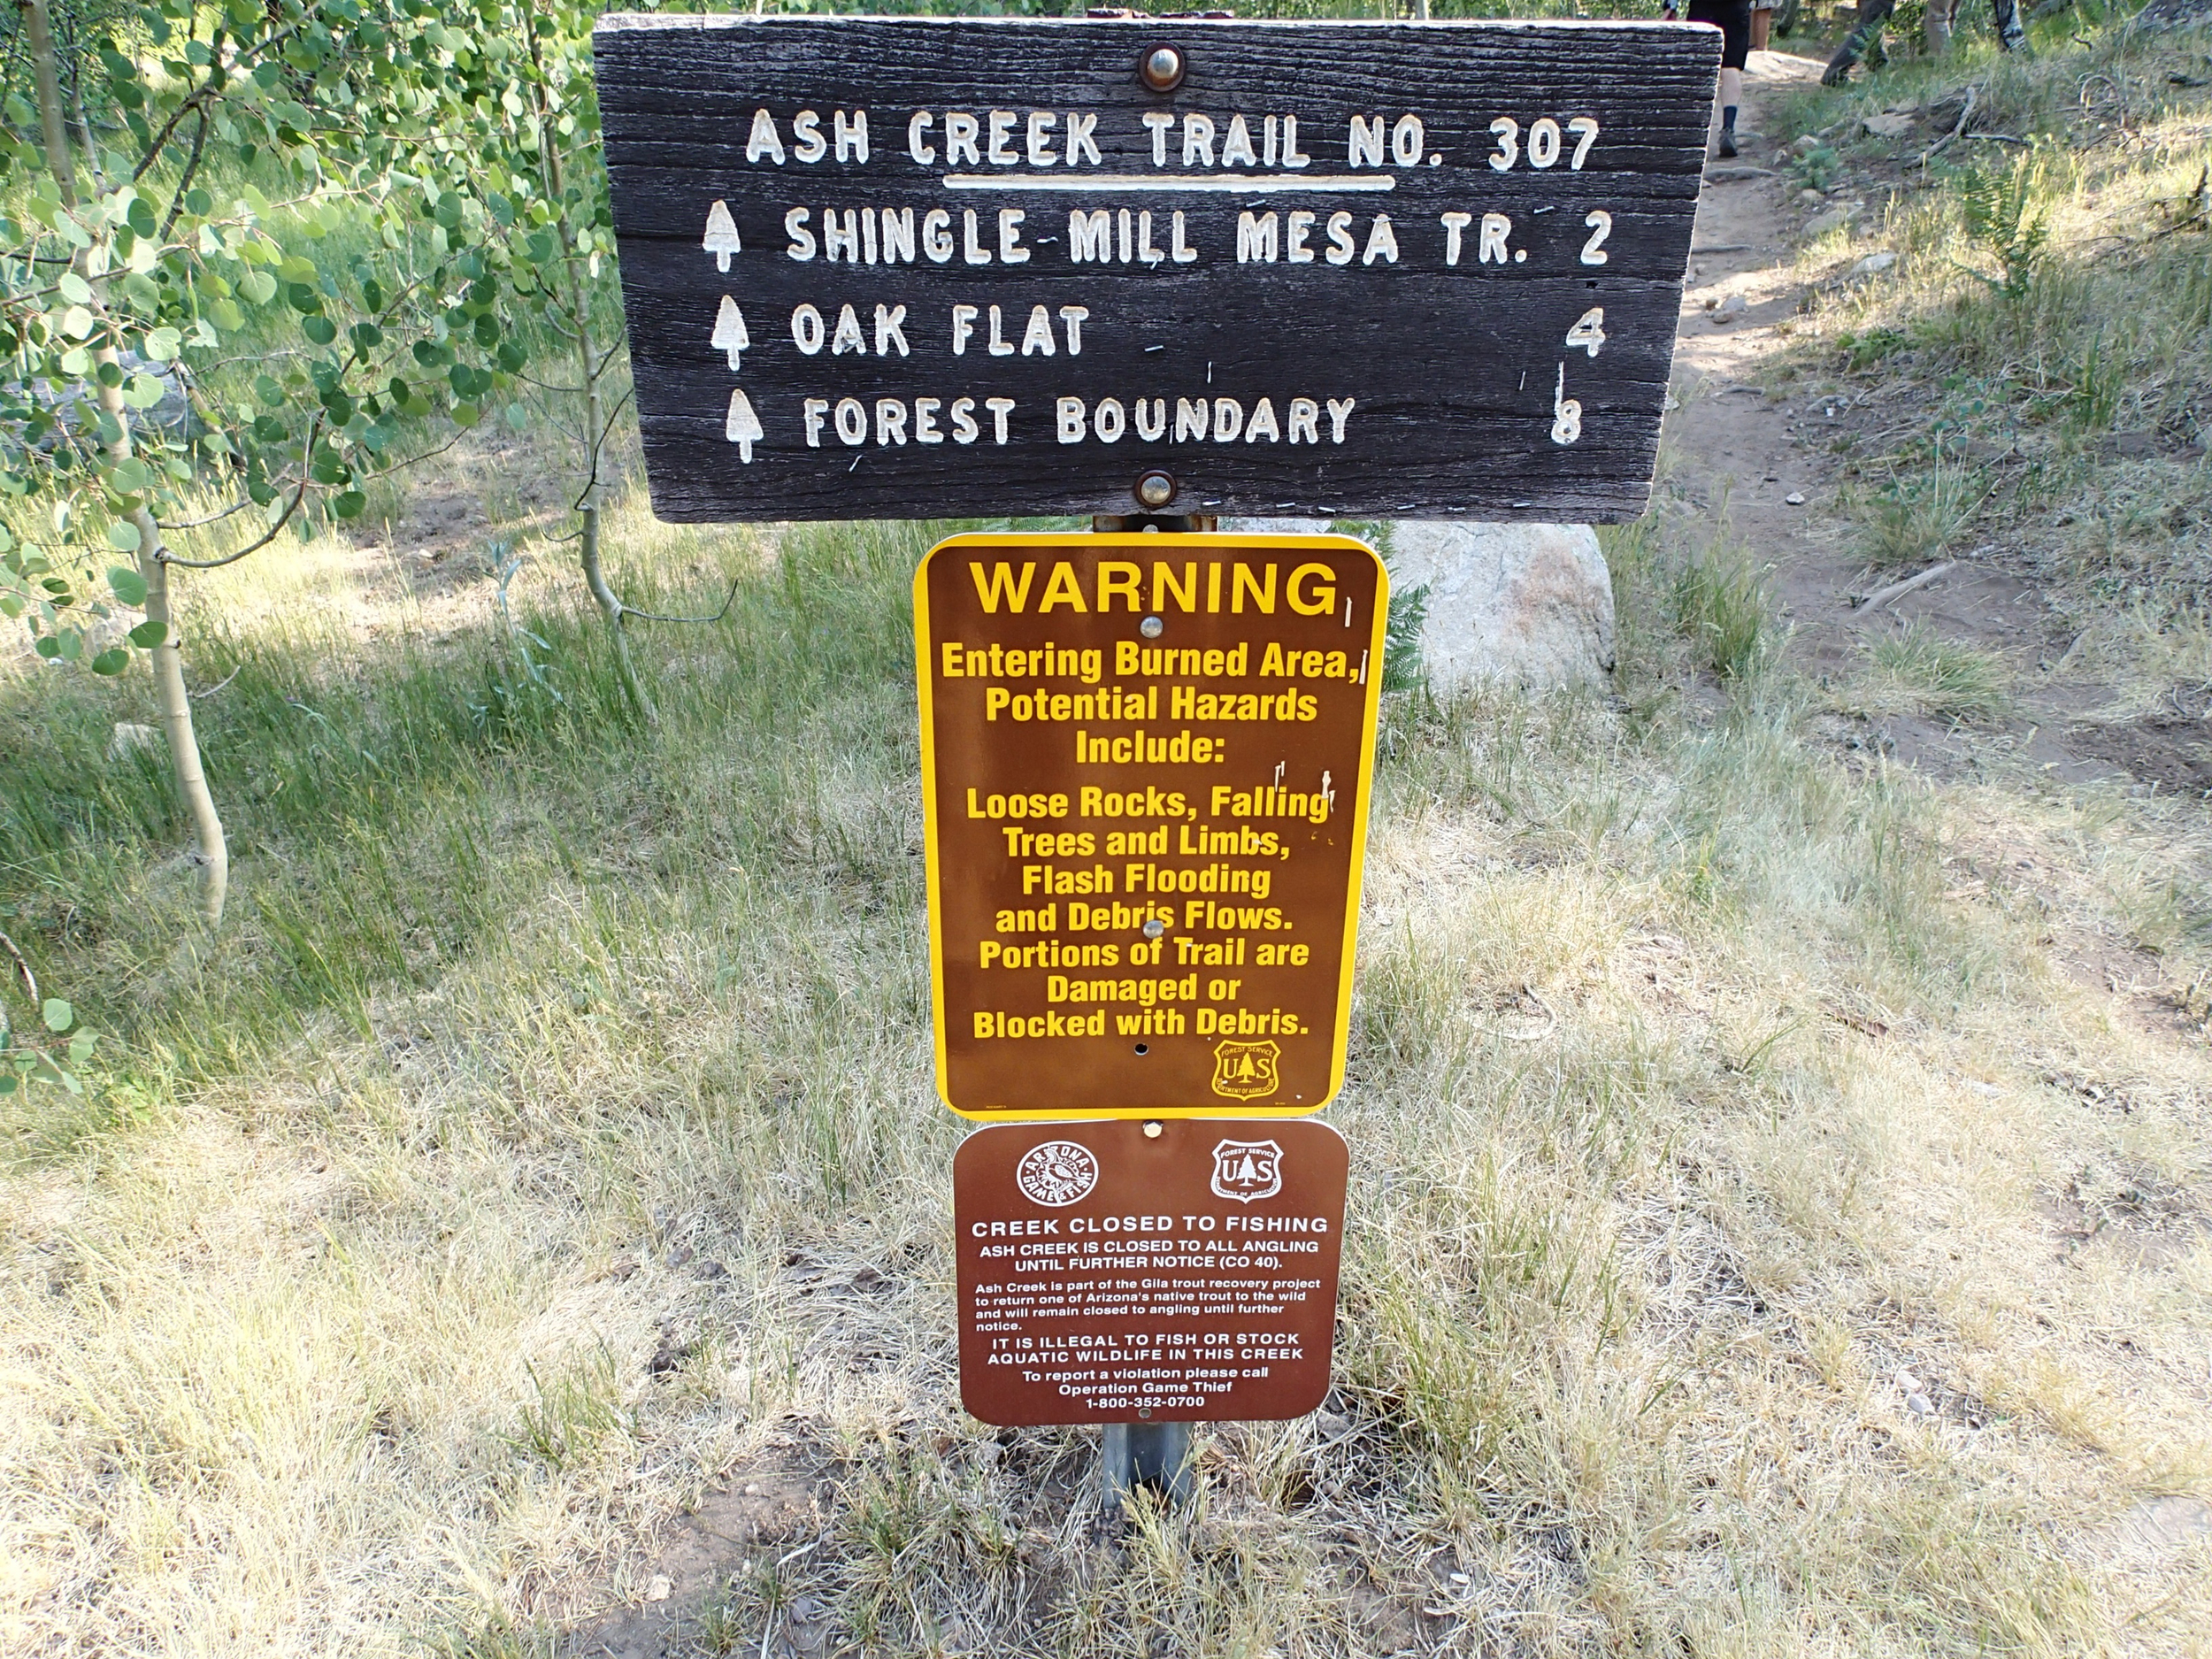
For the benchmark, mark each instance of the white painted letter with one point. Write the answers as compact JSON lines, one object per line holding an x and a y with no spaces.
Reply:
{"x":765,"y":140}
{"x":999,"y":408}
{"x":1002,"y":124}
{"x":891,"y":330}
{"x":1295,"y":229}
{"x":1090,"y":236}
{"x":917,"y":146}
{"x":852,"y":136}
{"x":1074,"y":317}
{"x":807,"y":143}
{"x":1340,"y":248}
{"x":1159,"y":121}
{"x":806,"y":331}
{"x":925,"y":427}
{"x":1183,"y":252}
{"x":1263,"y":423}
{"x":963,"y":426}
{"x":1305,"y":416}
{"x":960,"y":131}
{"x":971,"y":250}
{"x":1041,"y":125}
{"x":848,"y":336}
{"x":1407,"y":141}
{"x":1080,"y":128}
{"x":1340,"y":412}
{"x":1037,"y":338}
{"x":1070,"y":419}
{"x":814,"y":408}
{"x":1010,"y":236}
{"x":963,"y":326}
{"x":1198,"y":141}
{"x":1364,"y":144}
{"x":1454,"y":223}
{"x":801,"y":238}
{"x":937,"y":235}
{"x":1382,"y":242}
{"x":1491,"y":246}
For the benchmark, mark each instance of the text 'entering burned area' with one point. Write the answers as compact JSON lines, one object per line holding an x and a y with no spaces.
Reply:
{"x":1120,"y":1271}
{"x":1145,"y":764}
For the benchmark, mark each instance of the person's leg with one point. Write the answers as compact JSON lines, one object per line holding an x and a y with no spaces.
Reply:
{"x":1873,"y":15}
{"x":1731,"y":96}
{"x":2011,"y":33}
{"x":1761,"y":27}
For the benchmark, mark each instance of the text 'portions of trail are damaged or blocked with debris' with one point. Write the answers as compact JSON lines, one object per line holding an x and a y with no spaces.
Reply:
{"x":919,"y":267}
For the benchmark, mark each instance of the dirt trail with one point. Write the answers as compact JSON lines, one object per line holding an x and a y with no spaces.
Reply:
{"x":1736,"y":442}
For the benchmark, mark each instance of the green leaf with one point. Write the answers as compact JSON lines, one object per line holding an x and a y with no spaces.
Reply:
{"x":319,"y":329}
{"x":57,"y":1014}
{"x":142,"y":391}
{"x":349,"y":505}
{"x":127,"y":585}
{"x":146,"y":636}
{"x":257,"y":286}
{"x":74,"y":289}
{"x":162,"y":343}
{"x":123,"y":536}
{"x":80,"y":1047}
{"x":112,"y":661}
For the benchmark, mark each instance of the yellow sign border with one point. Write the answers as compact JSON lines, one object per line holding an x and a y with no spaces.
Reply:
{"x":1156,"y":542}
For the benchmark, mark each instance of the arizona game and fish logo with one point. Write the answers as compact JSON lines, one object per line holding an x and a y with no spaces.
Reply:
{"x":1055,"y":1173}
{"x":1246,"y":1170}
{"x":1246,"y":1071}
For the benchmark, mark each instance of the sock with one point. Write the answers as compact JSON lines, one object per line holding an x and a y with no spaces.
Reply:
{"x":1728,"y":118}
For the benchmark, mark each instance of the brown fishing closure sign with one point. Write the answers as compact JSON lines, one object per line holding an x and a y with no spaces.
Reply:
{"x":1145,"y":769}
{"x":1166,"y":1272}
{"x":903,"y":267}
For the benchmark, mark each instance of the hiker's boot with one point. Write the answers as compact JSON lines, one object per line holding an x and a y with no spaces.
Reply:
{"x":1725,"y":146}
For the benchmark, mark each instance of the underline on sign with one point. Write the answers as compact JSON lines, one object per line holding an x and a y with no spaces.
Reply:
{"x":1220,"y":184}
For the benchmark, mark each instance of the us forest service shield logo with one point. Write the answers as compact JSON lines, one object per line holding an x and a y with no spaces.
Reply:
{"x":1057,"y":1173}
{"x":1246,"y":1170}
{"x":1246,"y":1071}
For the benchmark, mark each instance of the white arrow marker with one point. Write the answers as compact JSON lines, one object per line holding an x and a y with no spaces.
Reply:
{"x":729,"y":331}
{"x":743,"y":427}
{"x":721,"y":238}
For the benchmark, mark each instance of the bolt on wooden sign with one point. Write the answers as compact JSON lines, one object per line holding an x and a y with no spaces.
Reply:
{"x":915,"y":266}
{"x":1145,"y":778}
{"x":1123,"y":1273}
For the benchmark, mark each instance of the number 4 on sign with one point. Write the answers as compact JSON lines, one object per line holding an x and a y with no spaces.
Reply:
{"x":721,"y":238}
{"x":1588,"y":332}
{"x":742,"y":428}
{"x":730,"y":336}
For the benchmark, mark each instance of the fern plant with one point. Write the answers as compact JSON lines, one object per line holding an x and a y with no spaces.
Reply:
{"x":2007,"y":218}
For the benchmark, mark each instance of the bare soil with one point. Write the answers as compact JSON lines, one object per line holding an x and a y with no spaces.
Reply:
{"x":1754,"y":440}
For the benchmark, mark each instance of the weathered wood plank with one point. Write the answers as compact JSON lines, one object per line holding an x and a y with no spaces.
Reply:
{"x":1454,"y":388}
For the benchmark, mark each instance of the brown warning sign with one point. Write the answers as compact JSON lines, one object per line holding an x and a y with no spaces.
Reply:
{"x":1145,"y":769}
{"x":1112,"y":1275}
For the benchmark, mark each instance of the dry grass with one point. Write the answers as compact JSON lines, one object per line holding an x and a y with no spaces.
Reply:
{"x":1700,"y":1088}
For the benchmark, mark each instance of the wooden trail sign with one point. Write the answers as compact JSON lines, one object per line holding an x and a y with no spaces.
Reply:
{"x":1162,"y":1273}
{"x":916,"y":266}
{"x":1145,"y":769}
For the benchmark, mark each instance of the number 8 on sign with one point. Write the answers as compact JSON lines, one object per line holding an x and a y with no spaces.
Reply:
{"x":1566,"y":413}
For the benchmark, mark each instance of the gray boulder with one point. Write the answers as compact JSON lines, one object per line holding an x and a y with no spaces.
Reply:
{"x":1522,"y":604}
